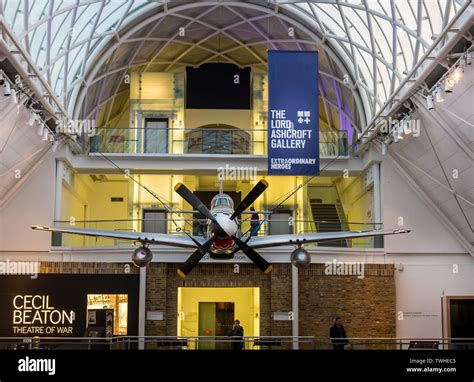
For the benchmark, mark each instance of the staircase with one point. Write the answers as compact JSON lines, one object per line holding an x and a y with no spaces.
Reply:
{"x":327,"y":219}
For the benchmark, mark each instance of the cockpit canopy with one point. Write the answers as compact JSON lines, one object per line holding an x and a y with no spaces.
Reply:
{"x":222,"y":200}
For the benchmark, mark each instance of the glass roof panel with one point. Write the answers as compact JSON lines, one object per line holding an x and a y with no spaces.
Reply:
{"x":358,"y":35}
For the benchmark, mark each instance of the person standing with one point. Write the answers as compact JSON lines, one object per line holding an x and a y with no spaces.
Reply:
{"x":254,"y":222}
{"x":338,"y":335}
{"x":237,"y":333}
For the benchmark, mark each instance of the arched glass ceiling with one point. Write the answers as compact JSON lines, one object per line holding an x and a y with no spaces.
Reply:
{"x":374,"y":42}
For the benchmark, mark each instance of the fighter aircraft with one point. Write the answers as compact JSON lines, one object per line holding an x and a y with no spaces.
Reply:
{"x":223,"y":238}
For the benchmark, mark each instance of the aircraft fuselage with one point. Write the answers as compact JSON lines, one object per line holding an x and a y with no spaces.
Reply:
{"x":223,"y":246}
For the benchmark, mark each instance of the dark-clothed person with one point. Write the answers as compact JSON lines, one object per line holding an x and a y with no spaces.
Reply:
{"x":254,"y":222}
{"x":237,"y":333}
{"x":338,"y":335}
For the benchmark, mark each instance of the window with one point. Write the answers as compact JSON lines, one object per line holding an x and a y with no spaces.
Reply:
{"x":99,"y":306}
{"x":280,"y":223}
{"x":154,"y":221}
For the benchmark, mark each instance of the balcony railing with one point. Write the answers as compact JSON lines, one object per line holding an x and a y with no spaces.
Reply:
{"x":200,"y":141}
{"x":221,"y":342}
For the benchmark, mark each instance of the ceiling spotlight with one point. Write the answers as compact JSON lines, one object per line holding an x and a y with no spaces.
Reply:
{"x":407,"y":127}
{"x":54,"y":146}
{"x":2,"y":78}
{"x":6,"y":89}
{"x":449,"y":84}
{"x":13,"y":99}
{"x":458,"y":73}
{"x":32,"y":119}
{"x":400,"y":132}
{"x":40,"y":129}
{"x":45,"y":136}
{"x":439,"y":94}
{"x":429,"y":102}
{"x":397,"y":133}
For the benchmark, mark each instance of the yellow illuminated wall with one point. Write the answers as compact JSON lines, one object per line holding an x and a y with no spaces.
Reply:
{"x":358,"y":206}
{"x":152,"y":86}
{"x":91,"y":201}
{"x":75,"y":208}
{"x":246,"y":304}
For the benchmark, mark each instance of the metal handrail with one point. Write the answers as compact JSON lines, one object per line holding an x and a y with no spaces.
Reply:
{"x":164,"y":219}
{"x":179,"y":140}
{"x":254,"y":342}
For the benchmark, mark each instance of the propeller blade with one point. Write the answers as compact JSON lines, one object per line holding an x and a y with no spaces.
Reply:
{"x":193,"y":260}
{"x":250,"y":198}
{"x":192,"y":199}
{"x":258,"y":260}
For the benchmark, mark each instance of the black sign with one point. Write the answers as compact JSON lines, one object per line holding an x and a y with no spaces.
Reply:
{"x":55,"y":305}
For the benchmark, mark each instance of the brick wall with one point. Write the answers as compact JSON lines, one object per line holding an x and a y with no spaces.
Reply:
{"x":367,"y":306}
{"x":88,"y":268}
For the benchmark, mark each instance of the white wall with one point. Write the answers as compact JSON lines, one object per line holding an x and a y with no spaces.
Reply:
{"x":33,"y":204}
{"x":428,"y":233}
{"x":420,"y":286}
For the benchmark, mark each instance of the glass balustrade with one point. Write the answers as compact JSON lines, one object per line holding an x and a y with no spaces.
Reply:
{"x":228,"y":141}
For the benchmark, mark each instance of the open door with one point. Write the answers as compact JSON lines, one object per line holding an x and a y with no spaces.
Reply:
{"x":215,"y":320}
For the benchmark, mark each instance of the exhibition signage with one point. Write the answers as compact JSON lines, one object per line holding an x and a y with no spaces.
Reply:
{"x":293,"y":115}
{"x":55,"y":305}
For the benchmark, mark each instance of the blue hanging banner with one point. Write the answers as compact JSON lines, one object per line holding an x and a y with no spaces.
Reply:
{"x":293,"y":115}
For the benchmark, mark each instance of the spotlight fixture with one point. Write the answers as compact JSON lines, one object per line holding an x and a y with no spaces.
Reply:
{"x":457,"y":74}
{"x":54,"y":146}
{"x":399,"y":132}
{"x":407,"y":126}
{"x":45,"y":136}
{"x":468,"y":57}
{"x":2,"y":78}
{"x":429,"y":102}
{"x":40,"y":129}
{"x":449,"y":84}
{"x":439,"y":94}
{"x":32,"y":118}
{"x":7,"y":91}
{"x":13,"y":99}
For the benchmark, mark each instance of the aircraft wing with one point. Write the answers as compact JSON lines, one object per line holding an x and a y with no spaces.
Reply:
{"x":278,"y":240}
{"x":144,"y":237}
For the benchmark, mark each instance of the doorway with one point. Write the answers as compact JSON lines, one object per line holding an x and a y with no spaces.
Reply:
{"x":212,"y":311}
{"x":156,"y":136}
{"x":154,"y":220}
{"x":461,"y":321}
{"x":215,"y":320}
{"x":280,"y":223}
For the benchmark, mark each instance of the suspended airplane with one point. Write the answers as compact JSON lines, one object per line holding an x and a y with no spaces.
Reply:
{"x":224,"y":237}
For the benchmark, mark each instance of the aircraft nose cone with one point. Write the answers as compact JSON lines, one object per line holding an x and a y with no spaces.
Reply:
{"x":229,"y":227}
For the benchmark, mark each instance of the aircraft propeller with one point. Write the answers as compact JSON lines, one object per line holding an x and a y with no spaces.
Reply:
{"x":253,"y":195}
{"x":195,"y":258}
{"x":194,"y":201}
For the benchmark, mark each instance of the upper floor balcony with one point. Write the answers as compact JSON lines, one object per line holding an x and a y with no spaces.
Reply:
{"x":208,"y":139}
